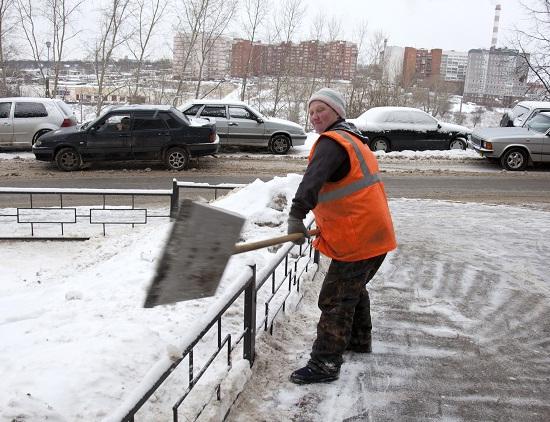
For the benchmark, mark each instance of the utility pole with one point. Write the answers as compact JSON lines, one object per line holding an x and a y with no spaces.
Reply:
{"x":48,"y":45}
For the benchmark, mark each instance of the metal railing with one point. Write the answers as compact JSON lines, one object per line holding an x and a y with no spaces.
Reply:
{"x":60,"y":207}
{"x":273,"y":286}
{"x":285,"y":273}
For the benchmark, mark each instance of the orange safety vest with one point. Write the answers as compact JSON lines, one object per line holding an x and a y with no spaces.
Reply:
{"x":353,"y":213}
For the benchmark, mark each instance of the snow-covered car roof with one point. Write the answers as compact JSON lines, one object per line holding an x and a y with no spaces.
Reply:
{"x":379,"y":114}
{"x":210,"y":101}
{"x":534,"y":104}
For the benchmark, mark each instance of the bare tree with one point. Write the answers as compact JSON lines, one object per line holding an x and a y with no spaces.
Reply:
{"x":146,"y":17}
{"x":537,"y":40}
{"x":360,"y":38}
{"x":371,"y":85}
{"x":334,"y":31}
{"x":59,"y":14}
{"x":6,"y":26}
{"x":48,"y":20}
{"x":459,"y":117}
{"x":189,"y":28}
{"x":287,"y":22}
{"x":219,"y":14}
{"x":111,"y":35}
{"x":29,"y":17}
{"x":476,"y":116}
{"x":255,"y":13}
{"x":316,"y":33}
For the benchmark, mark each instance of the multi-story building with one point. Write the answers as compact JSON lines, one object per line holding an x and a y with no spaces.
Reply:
{"x":332,"y":60}
{"x":241,"y":52}
{"x":454,"y":65}
{"x":421,"y":65}
{"x":453,"y":70}
{"x":216,"y":61}
{"x":495,"y":76}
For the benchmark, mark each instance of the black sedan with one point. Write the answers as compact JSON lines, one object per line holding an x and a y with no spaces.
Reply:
{"x":135,"y":132}
{"x":405,"y":128}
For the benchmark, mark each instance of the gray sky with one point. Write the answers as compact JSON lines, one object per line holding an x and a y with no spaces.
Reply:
{"x":448,"y":24}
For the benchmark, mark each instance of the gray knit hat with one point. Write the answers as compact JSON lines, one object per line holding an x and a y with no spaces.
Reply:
{"x":332,"y":98}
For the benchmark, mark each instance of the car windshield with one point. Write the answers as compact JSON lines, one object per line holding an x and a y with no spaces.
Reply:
{"x":374,"y":114}
{"x":539,"y":123}
{"x":519,"y":112}
{"x":256,"y":112}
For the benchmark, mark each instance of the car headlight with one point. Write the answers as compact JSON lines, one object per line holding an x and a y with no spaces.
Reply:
{"x":37,"y":143}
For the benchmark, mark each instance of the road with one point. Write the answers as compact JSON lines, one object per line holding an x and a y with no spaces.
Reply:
{"x":458,"y":180}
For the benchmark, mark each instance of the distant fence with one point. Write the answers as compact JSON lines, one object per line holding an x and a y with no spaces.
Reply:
{"x":70,"y":213}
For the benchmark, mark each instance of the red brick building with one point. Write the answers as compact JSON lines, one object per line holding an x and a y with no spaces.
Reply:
{"x":333,"y":60}
{"x":421,"y":65}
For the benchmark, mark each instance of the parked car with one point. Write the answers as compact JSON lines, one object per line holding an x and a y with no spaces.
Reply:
{"x":240,"y":124}
{"x":515,"y":147}
{"x":24,"y":119}
{"x":522,"y":112}
{"x":135,"y":132}
{"x":406,"y":128}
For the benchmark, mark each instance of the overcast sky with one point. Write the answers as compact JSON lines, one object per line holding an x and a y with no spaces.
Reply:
{"x":448,"y":24}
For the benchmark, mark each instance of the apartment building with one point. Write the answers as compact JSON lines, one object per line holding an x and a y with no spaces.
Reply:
{"x":215,"y":60}
{"x":454,"y":65}
{"x":421,"y":65}
{"x":332,"y":60}
{"x":495,"y":76}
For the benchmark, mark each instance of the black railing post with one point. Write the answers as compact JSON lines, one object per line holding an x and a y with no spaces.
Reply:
{"x":174,"y":199}
{"x":249,"y":345}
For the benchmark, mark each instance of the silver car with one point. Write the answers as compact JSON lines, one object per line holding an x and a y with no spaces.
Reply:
{"x":239,"y":124}
{"x":24,"y":119}
{"x":515,"y":147}
{"x":522,"y":112}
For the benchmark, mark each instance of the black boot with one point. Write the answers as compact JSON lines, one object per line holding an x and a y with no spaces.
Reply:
{"x":315,"y":372}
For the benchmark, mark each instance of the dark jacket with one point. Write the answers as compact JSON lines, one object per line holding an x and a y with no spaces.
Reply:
{"x":330,"y":162}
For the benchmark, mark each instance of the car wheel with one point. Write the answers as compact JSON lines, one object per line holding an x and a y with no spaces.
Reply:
{"x":177,"y":159}
{"x":380,"y":144}
{"x":279,"y":144}
{"x":39,"y":134}
{"x":68,"y":159}
{"x":457,"y":143}
{"x":514,"y":159}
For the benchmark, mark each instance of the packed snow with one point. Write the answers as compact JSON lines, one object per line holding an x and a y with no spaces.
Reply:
{"x":468,"y":283}
{"x":78,"y":345}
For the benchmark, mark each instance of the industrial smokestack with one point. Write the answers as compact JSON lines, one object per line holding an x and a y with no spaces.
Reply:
{"x":495,"y":27}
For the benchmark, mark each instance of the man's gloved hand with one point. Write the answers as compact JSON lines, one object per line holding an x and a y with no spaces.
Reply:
{"x":295,"y":225}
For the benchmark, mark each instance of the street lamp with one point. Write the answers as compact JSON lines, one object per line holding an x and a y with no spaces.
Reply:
{"x":48,"y":45}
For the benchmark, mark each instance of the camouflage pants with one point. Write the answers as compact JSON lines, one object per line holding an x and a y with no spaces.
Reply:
{"x":345,"y":309}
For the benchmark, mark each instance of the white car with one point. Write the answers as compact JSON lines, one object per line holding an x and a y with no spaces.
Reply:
{"x":24,"y":119}
{"x":237,"y":123}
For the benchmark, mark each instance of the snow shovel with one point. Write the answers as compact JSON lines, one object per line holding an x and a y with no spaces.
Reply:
{"x":198,"y":248}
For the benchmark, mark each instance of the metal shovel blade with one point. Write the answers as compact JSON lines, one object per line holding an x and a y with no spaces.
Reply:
{"x":200,"y":243}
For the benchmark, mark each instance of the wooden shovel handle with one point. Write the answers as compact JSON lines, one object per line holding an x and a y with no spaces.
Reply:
{"x":252,"y":246}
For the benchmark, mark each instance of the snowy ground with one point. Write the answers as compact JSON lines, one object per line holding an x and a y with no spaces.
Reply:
{"x":460,"y":315}
{"x":460,"y":311}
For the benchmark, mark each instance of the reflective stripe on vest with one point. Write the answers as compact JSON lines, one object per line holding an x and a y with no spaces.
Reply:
{"x":367,"y":180}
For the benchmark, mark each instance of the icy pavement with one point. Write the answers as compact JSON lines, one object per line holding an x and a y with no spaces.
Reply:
{"x":461,"y":328}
